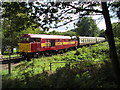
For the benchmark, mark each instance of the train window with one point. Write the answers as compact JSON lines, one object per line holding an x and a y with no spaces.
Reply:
{"x":57,"y":40}
{"x":69,"y":40}
{"x":32,"y":40}
{"x":84,"y":40}
{"x":24,"y":40}
{"x":89,"y":40}
{"x":81,"y":40}
{"x":65,"y":40}
{"x":46,"y":40}
{"x":37,"y":40}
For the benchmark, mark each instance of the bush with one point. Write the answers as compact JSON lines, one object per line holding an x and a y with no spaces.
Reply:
{"x":89,"y":67}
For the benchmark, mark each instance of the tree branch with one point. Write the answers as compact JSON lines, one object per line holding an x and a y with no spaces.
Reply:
{"x":90,"y":10}
{"x":65,"y":23}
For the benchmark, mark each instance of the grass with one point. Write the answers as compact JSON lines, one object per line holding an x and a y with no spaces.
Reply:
{"x":90,"y":67}
{"x":38,"y":64}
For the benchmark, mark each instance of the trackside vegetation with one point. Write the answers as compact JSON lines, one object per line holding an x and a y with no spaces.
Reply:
{"x":86,"y":67}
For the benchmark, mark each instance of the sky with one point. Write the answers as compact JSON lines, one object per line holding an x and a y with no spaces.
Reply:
{"x":99,"y":21}
{"x":98,"y":18}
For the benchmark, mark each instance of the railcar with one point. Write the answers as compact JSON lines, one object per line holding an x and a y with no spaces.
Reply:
{"x":37,"y":43}
{"x":41,"y":43}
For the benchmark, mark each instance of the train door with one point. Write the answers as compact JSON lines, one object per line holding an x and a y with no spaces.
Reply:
{"x":52,"y":43}
{"x":38,"y":40}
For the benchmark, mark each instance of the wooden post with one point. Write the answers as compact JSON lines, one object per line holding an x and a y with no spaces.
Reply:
{"x":9,"y":64}
{"x":44,"y":67}
{"x":50,"y":66}
{"x":33,"y":67}
{"x":69,"y":65}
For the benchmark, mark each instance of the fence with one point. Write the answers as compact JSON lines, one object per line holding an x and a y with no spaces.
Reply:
{"x":49,"y":65}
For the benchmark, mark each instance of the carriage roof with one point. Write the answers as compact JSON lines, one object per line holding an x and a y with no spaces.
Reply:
{"x":45,"y":36}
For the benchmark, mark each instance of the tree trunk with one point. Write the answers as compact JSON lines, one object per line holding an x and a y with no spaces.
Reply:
{"x":12,"y":51}
{"x":111,"y":42}
{"x":2,"y":50}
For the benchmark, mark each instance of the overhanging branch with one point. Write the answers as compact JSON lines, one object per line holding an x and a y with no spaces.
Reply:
{"x":90,"y":10}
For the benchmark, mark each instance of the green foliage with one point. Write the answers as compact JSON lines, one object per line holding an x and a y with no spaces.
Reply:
{"x":102,"y":33}
{"x":116,"y":27}
{"x":87,"y":27}
{"x":67,"y":33}
{"x":90,"y":68}
{"x":16,"y":21}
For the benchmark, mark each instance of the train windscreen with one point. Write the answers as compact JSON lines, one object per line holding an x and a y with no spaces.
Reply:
{"x":28,"y":40}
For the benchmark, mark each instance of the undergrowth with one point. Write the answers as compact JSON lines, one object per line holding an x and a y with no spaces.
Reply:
{"x":87,"y":67}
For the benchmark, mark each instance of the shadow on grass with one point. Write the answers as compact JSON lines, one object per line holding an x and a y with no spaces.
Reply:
{"x":78,"y":75}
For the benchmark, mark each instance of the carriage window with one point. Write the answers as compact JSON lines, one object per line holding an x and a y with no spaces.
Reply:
{"x":81,"y":40}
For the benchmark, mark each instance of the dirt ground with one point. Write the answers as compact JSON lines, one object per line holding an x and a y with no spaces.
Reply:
{"x":5,"y":66}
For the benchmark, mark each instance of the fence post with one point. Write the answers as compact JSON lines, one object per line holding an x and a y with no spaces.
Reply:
{"x":44,"y":67}
{"x":9,"y":64}
{"x":69,"y":65}
{"x":50,"y":66}
{"x":33,"y":66}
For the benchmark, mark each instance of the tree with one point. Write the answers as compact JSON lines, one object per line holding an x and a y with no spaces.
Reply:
{"x":69,"y":33}
{"x":116,"y":29}
{"x":111,"y":42}
{"x":53,"y":12}
{"x":55,"y":33}
{"x":48,"y":13}
{"x":16,"y":18}
{"x":87,"y":27}
{"x":102,"y":33}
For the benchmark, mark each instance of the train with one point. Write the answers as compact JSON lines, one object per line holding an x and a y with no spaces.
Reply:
{"x":39,"y":44}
